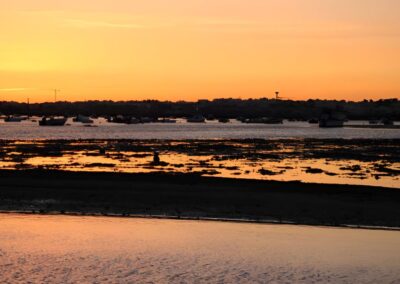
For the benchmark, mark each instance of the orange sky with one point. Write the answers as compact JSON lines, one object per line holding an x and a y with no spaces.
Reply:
{"x":189,"y":50}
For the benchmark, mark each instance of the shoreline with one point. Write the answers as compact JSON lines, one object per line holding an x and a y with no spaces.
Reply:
{"x":202,"y":219}
{"x":233,"y":139}
{"x":193,"y":197}
{"x":372,"y":126}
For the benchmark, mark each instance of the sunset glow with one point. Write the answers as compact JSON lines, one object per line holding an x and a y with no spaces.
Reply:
{"x":201,"y":49}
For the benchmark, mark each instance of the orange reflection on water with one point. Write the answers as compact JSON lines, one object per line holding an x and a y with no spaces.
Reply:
{"x":288,"y":169}
{"x":63,"y":249}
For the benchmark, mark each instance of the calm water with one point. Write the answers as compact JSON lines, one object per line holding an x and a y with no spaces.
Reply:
{"x":183,"y":130}
{"x":61,"y":249}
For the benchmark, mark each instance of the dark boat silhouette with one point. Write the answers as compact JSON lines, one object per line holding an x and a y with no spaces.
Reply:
{"x":264,"y":120}
{"x":167,"y":120}
{"x":52,"y":121}
{"x":387,"y":121}
{"x":331,"y":120}
{"x":13,"y":119}
{"x":82,"y":119}
{"x":198,"y":118}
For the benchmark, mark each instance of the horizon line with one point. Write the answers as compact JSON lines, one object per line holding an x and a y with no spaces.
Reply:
{"x":199,"y":100}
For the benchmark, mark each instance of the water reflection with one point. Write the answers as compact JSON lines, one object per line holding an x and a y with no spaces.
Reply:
{"x":307,"y":161}
{"x":62,"y":249}
{"x":101,"y":129}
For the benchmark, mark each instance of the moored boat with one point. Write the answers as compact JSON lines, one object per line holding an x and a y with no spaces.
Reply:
{"x":273,"y":121}
{"x":13,"y":119}
{"x":52,"y":121}
{"x":196,"y":119}
{"x":83,"y":119}
{"x":387,"y":121}
{"x":264,"y":120}
{"x":331,"y":120}
{"x":166,"y":120}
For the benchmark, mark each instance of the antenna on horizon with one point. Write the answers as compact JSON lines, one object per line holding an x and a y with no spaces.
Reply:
{"x":56,"y":91}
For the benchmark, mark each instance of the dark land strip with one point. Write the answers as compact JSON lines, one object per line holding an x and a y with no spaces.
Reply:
{"x":194,"y":196}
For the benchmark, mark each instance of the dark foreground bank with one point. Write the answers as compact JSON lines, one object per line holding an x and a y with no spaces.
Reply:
{"x":189,"y":195}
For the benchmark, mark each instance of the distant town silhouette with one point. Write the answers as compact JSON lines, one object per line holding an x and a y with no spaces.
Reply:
{"x":217,"y":108}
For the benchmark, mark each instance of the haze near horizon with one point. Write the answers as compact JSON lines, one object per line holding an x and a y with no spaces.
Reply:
{"x":189,"y":50}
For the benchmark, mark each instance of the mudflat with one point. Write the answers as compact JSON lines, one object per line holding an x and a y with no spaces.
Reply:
{"x":333,"y":161}
{"x":196,"y":196}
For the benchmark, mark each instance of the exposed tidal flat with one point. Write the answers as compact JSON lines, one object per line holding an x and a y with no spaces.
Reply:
{"x":308,"y":181}
{"x":65,"y":249}
{"x":332,"y":161}
{"x":334,"y":185}
{"x":191,"y":196}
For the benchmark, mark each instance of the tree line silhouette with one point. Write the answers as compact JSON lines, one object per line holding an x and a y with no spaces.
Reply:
{"x":219,"y":108}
